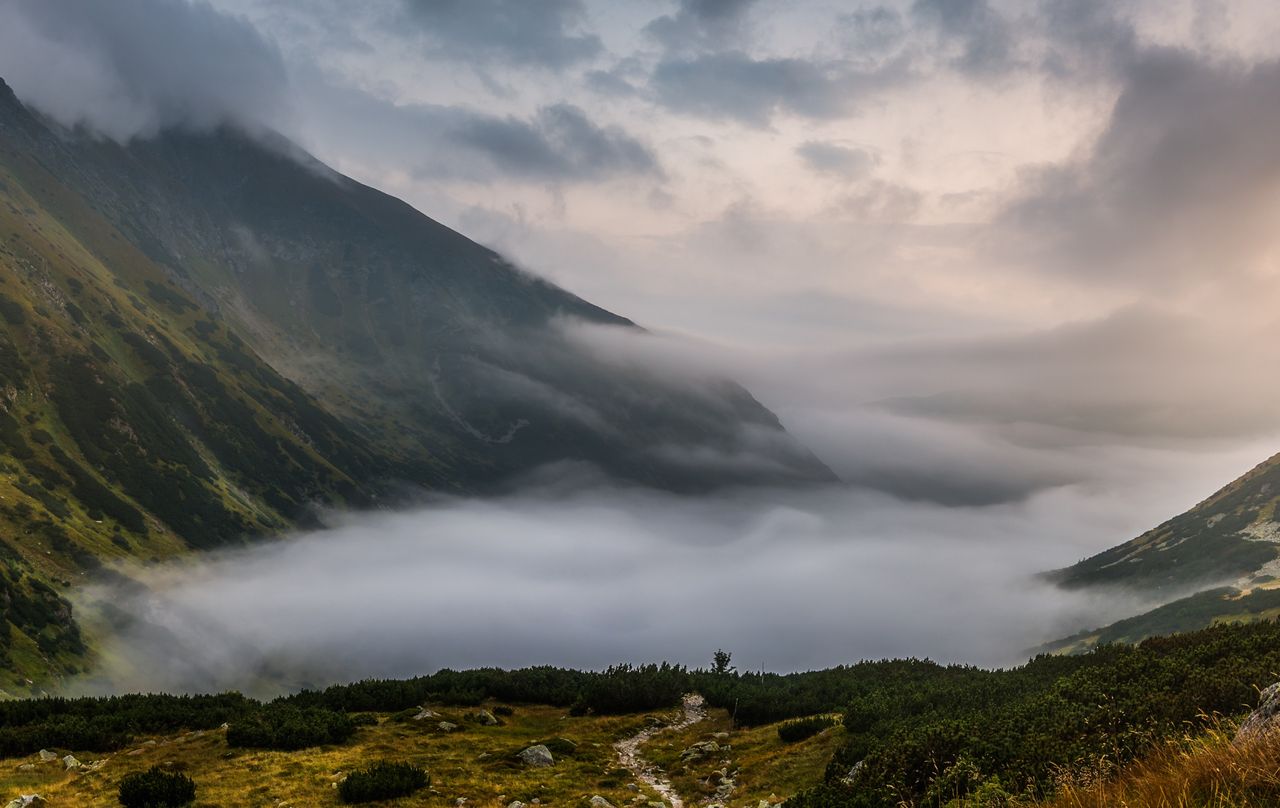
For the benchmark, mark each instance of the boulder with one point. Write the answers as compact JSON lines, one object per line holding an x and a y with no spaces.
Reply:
{"x":537,"y":756}
{"x":70,"y":763}
{"x":47,"y":756}
{"x":484,"y":718}
{"x":515,"y":804}
{"x":28,"y":801}
{"x":424,"y":714}
{"x":1264,"y":719}
{"x":445,"y":726}
{"x":600,"y":802}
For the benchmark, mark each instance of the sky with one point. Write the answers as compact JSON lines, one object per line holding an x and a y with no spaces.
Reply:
{"x":985,"y":257}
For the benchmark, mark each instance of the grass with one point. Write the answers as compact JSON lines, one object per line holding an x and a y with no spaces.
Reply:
{"x":474,"y":762}
{"x":1206,"y":771}
{"x":767,"y":768}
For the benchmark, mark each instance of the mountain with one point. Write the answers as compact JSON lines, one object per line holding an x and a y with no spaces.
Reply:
{"x":204,"y":334}
{"x":1218,"y":562}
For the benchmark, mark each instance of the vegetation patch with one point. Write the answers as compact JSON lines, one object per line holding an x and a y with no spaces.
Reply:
{"x":157,"y":788}
{"x":382,"y":781}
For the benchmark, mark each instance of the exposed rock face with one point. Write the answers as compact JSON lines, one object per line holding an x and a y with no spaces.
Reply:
{"x":1264,"y":719}
{"x":537,"y":756}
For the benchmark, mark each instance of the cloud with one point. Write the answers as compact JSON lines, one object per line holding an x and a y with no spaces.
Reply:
{"x":558,"y":142}
{"x":737,"y":86}
{"x":547,"y":34}
{"x":984,"y":38}
{"x":131,"y":67}
{"x":701,"y":23}
{"x":597,"y":575}
{"x":1182,"y":179}
{"x":833,"y":159}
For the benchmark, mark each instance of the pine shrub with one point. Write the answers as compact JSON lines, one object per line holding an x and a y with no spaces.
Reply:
{"x":382,"y":781}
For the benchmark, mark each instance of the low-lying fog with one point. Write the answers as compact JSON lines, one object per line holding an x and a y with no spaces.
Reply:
{"x":585,"y":576}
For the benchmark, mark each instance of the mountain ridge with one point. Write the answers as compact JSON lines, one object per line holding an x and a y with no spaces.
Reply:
{"x":203,"y":337}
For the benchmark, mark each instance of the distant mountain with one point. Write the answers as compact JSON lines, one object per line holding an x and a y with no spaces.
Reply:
{"x":203,"y":334}
{"x":1219,"y":561}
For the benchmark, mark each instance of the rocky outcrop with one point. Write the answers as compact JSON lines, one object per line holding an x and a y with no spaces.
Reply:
{"x":1263,"y":720}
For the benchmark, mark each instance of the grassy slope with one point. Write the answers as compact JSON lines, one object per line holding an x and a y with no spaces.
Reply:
{"x":133,"y":425}
{"x":1219,"y":540}
{"x":474,"y":763}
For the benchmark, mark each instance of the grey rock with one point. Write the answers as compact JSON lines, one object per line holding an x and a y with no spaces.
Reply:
{"x":424,"y":714}
{"x":47,"y":756}
{"x":70,"y":763}
{"x":484,"y":718}
{"x":600,"y":802}
{"x":537,"y":756}
{"x":515,"y":804}
{"x":445,"y":726}
{"x":28,"y":801}
{"x":1263,"y":720}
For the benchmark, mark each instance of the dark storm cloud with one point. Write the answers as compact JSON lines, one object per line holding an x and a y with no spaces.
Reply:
{"x":1182,"y":179}
{"x":735,"y":85}
{"x":840,"y":161}
{"x":547,"y":33}
{"x":130,"y":67}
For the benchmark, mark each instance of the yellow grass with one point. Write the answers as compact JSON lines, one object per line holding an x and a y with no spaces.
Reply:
{"x":475,"y":763}
{"x":1202,"y":772}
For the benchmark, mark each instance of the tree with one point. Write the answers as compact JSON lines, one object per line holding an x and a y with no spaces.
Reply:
{"x":720,"y":663}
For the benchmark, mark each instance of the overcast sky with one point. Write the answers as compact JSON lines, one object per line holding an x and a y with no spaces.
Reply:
{"x":975,"y":253}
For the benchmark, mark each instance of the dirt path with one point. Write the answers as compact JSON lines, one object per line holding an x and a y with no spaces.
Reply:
{"x":647,"y":773}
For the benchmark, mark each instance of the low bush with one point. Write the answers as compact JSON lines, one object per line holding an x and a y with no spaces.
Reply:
{"x":288,"y":728}
{"x":157,"y":788}
{"x":801,"y":728}
{"x":382,"y":781}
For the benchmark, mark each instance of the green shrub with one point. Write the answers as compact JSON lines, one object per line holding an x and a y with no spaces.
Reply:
{"x":157,"y":788}
{"x":798,"y":730}
{"x":382,"y":781}
{"x":288,"y":728}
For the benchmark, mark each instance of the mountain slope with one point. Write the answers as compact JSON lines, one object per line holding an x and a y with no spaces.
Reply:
{"x":1219,"y":561}
{"x":201,"y":336}
{"x":440,"y":351}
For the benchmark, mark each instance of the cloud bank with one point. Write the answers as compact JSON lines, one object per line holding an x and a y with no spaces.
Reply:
{"x":597,"y":575}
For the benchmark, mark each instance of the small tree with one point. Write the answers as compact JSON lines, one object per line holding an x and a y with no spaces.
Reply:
{"x":720,"y":663}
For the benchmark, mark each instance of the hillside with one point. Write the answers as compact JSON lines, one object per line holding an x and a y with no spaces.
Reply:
{"x":1218,"y":562}
{"x":203,"y":335}
{"x":873,"y":735}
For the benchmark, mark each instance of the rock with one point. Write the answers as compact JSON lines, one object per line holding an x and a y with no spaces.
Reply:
{"x":515,"y":804}
{"x":655,"y":721}
{"x":484,"y":718}
{"x":700,"y":750}
{"x":27,"y":767}
{"x":537,"y":756}
{"x":1264,"y":719}
{"x":460,"y":801}
{"x":28,"y":801}
{"x":445,"y":726}
{"x":70,"y":763}
{"x":632,"y":787}
{"x":851,"y":777}
{"x":720,"y":736}
{"x":600,"y":802}
{"x":47,"y":756}
{"x":424,"y":714}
